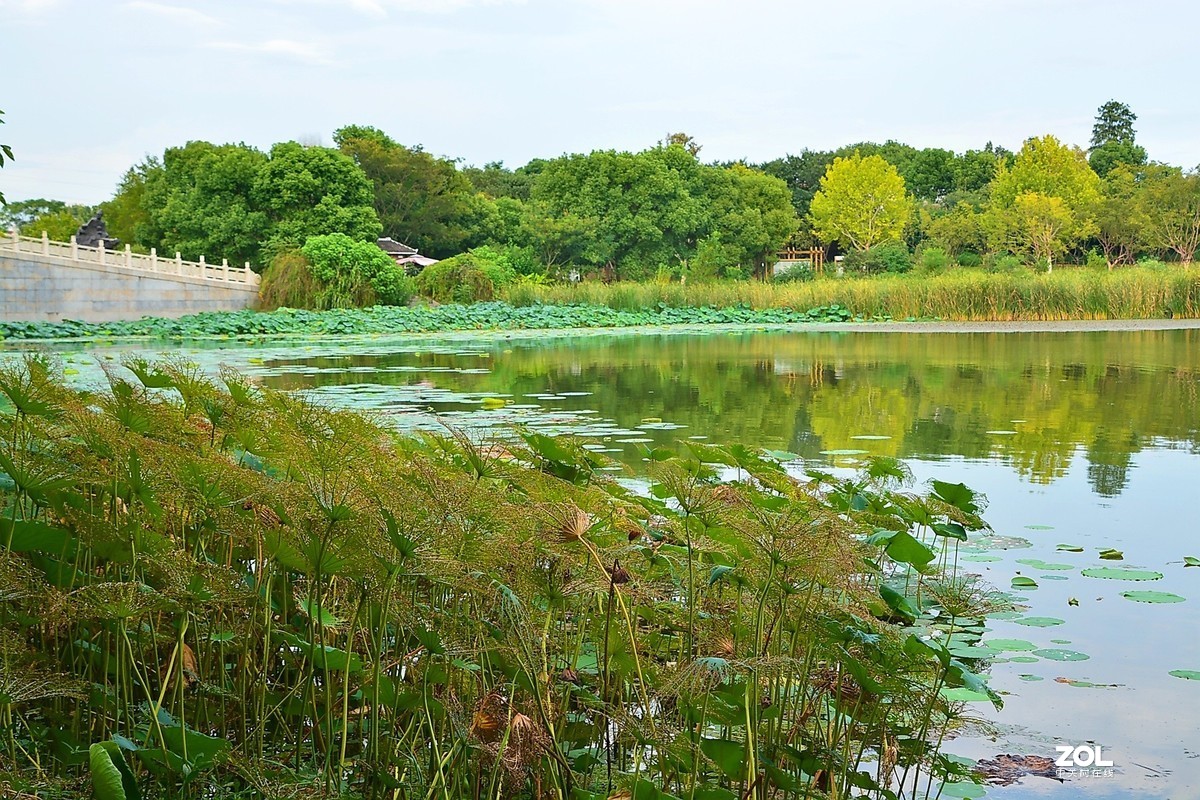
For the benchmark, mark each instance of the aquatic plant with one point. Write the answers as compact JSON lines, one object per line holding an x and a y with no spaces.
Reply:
{"x":208,"y":589}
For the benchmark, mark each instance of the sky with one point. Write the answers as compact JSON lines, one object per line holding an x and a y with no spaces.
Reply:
{"x":91,"y":87}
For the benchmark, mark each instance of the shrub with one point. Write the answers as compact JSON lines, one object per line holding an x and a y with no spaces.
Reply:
{"x":458,"y":279}
{"x":1006,"y":263}
{"x":353,"y":273}
{"x":1096,"y":260}
{"x":934,"y":258}
{"x":288,"y":282}
{"x":890,"y":257}
{"x":969,"y":259}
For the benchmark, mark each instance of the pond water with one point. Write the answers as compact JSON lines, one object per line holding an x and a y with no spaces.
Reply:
{"x":1082,"y":441}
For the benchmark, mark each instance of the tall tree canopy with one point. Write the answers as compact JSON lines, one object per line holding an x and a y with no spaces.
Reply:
{"x":862,"y":202}
{"x":421,"y":200}
{"x":234,"y":201}
{"x":1114,"y":140}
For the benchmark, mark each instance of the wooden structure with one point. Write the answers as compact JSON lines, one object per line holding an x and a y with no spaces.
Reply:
{"x":814,"y":256}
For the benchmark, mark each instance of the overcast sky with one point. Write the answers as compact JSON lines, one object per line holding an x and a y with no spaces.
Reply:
{"x":92,"y":86}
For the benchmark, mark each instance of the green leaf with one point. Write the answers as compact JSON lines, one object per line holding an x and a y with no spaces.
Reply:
{"x":906,"y":549}
{"x":956,"y":494}
{"x":108,"y":782}
{"x":1109,"y":554}
{"x":1186,"y":674}
{"x":1121,"y":574}
{"x":729,"y":756}
{"x":1023,"y":582}
{"x":1152,"y":597}
{"x":1191,"y":561}
{"x":29,"y":535}
{"x":718,"y":573}
{"x":899,"y":603}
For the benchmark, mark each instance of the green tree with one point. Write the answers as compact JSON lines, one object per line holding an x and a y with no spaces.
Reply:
{"x":197,"y":202}
{"x":354,"y":273}
{"x":1170,"y":201}
{"x":421,"y":200}
{"x":1114,"y":139}
{"x":753,"y":215}
{"x":313,"y":191}
{"x":802,"y":175}
{"x":1044,"y":168}
{"x":60,"y":224}
{"x":958,"y":230}
{"x":20,"y":213}
{"x":1120,"y":215}
{"x":861,"y":203}
{"x":494,"y":180}
{"x":126,"y":213}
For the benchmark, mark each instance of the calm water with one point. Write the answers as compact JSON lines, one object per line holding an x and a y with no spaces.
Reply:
{"x":1087,"y":439}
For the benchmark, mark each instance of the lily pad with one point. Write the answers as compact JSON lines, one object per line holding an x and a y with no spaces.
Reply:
{"x":1191,"y":561}
{"x":1057,"y":654}
{"x":981,"y":557}
{"x":1053,"y":577}
{"x":1186,"y":674}
{"x":1040,"y":622}
{"x":1110,"y":554}
{"x":1023,"y":582}
{"x":1012,"y":645}
{"x":1152,"y":597}
{"x":1120,"y":574}
{"x":1027,"y":677}
{"x":1069,"y":548}
{"x":843,"y":452}
{"x":963,"y":789}
{"x":1023,"y":660}
{"x":961,"y":694}
{"x":1040,"y":527}
{"x":1081,"y":684}
{"x":1037,"y":563}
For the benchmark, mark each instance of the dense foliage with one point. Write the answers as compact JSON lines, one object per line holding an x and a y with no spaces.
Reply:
{"x":215,"y":590}
{"x":662,"y":214}
{"x":420,"y":319}
{"x":354,"y":273}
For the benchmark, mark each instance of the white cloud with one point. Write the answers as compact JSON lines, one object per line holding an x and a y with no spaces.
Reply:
{"x":381,"y":8}
{"x":307,"y":52}
{"x":180,"y":14}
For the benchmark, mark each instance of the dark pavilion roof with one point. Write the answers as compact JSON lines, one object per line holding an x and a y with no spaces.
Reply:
{"x":395,"y":249}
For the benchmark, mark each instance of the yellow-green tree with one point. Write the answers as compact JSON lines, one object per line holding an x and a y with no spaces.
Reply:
{"x":862,"y":202}
{"x":1045,"y":202}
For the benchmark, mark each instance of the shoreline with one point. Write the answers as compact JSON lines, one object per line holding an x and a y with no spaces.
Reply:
{"x":922,"y":327}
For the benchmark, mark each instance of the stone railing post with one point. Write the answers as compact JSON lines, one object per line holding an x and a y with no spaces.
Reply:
{"x":45,"y":243}
{"x":154,"y":259}
{"x":203,"y":268}
{"x":128,"y":256}
{"x":103,"y":252}
{"x":246,"y":273}
{"x":16,"y":238}
{"x":225,"y":269}
{"x":74,"y":248}
{"x":178,"y":263}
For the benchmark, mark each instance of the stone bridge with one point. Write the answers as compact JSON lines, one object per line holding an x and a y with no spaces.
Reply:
{"x":42,"y":281}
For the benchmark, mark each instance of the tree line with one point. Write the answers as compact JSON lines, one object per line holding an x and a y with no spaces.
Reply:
{"x":662,"y":212}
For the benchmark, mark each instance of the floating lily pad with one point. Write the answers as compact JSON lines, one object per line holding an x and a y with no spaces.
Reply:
{"x":1040,"y":527}
{"x":843,"y":452}
{"x":1186,"y":674}
{"x":1121,"y":574}
{"x":1069,"y":548}
{"x":963,"y":789}
{"x":1056,"y":654}
{"x":1027,"y":677}
{"x":1109,"y":554}
{"x":1010,"y":644}
{"x":1023,"y":582}
{"x":1060,"y":641}
{"x":1037,"y":563}
{"x":1040,"y":622}
{"x":1004,"y":615}
{"x":1023,"y":660}
{"x":1191,"y":561}
{"x":1053,"y":577}
{"x":493,"y":402}
{"x":981,"y":557}
{"x":1152,"y":597}
{"x":961,"y":694}
{"x":977,"y":652}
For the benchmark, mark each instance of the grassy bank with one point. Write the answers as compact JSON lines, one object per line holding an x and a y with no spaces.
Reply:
{"x":224,"y":592}
{"x":1144,"y":292}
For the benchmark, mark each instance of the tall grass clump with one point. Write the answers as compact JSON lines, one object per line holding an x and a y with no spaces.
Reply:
{"x":208,"y":589}
{"x":1143,"y":292}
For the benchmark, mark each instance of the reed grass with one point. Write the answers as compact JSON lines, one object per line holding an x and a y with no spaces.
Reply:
{"x":212,"y":590}
{"x":1143,"y":292}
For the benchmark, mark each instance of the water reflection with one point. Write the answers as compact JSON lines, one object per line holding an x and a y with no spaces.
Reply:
{"x":1034,"y":401}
